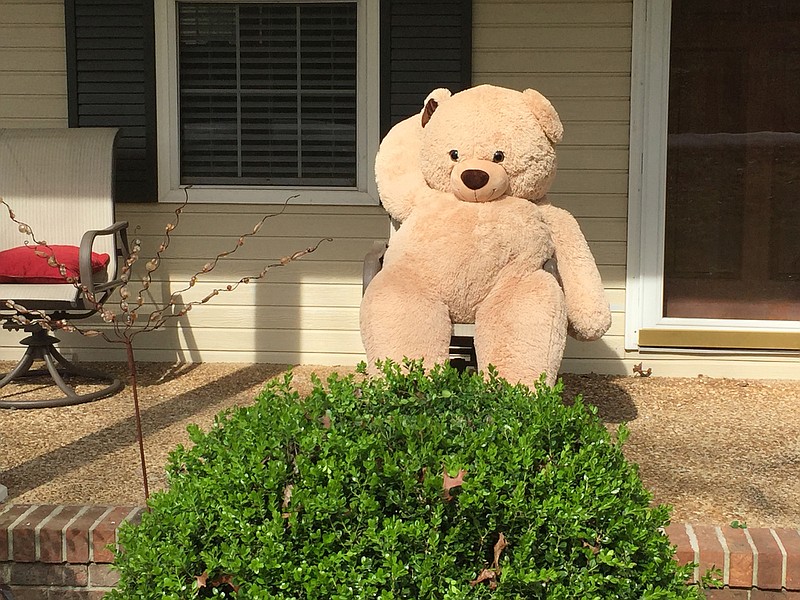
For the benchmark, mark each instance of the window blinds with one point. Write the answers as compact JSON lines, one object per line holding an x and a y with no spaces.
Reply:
{"x":267,"y":93}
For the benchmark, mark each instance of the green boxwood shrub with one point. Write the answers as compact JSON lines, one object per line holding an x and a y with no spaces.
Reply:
{"x":400,"y":487}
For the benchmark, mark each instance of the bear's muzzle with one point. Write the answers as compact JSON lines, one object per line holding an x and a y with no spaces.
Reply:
{"x":477,"y":180}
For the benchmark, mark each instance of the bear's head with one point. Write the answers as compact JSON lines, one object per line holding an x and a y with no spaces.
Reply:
{"x":487,"y":142}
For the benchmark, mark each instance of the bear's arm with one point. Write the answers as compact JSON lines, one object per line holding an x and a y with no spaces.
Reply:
{"x":587,"y":308}
{"x":397,"y":171}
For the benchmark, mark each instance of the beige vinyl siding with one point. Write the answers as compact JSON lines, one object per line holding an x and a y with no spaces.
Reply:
{"x":304,"y":312}
{"x":578,"y":54}
{"x":33,"y":81}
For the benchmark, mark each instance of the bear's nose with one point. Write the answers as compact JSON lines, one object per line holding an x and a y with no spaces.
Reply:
{"x":474,"y":179}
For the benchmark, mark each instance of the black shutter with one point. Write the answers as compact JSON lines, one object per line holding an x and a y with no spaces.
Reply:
{"x":111,"y":83}
{"x":424,"y":45}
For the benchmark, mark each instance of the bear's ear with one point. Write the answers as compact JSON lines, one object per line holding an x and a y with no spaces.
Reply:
{"x":545,"y":114}
{"x":432,"y":102}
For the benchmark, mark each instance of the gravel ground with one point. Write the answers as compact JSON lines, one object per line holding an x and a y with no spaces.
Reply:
{"x":717,"y":450}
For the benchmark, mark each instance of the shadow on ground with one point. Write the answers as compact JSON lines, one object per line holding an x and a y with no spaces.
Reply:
{"x":158,"y":413}
{"x":614,"y":404}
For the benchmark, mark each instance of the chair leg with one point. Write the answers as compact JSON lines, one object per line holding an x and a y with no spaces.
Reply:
{"x":462,"y":353}
{"x":23,"y":366}
{"x":41,"y":346}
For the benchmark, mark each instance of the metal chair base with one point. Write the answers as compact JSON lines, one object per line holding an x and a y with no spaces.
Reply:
{"x":41,"y":346}
{"x":462,"y":353}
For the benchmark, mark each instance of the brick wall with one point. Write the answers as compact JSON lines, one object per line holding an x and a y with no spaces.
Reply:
{"x":61,"y":552}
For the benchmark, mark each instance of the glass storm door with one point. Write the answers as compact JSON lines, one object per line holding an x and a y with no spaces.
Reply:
{"x":732,"y":207}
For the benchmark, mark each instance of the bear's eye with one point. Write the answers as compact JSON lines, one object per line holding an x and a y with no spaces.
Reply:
{"x":499,"y":156}
{"x":454,"y":155}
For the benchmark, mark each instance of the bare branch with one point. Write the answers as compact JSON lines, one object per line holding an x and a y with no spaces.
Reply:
{"x":127,"y":324}
{"x":160,"y":318}
{"x":155,"y":262}
{"x":124,"y":326}
{"x":210,"y":266}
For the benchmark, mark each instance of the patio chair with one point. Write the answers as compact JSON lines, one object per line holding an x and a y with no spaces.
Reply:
{"x":60,"y":182}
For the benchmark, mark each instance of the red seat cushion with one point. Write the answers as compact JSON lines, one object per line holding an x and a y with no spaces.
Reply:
{"x":26,"y":264}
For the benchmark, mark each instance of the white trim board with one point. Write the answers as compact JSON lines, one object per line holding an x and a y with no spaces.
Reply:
{"x":169,"y":189}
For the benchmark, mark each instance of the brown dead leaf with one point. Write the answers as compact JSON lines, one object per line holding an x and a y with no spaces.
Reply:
{"x":498,"y":550}
{"x":489,"y":575}
{"x":452,"y":482}
{"x":638,"y":370}
{"x":594,"y":548}
{"x":287,"y":495}
{"x":202,"y":579}
{"x":493,"y":574}
{"x":222,"y":580}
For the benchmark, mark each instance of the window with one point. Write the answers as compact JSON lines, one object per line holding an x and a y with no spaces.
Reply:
{"x":268,"y":98}
{"x":123,"y":71}
{"x":267,"y":93}
{"x":714,"y":244}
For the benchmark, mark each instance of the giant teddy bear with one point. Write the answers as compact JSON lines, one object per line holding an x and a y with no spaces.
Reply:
{"x":467,"y":179}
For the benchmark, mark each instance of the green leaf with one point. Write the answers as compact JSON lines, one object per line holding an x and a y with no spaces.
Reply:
{"x":341,"y":494}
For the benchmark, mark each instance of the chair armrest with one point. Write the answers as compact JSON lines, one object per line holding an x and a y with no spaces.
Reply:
{"x":85,"y":255}
{"x":551,"y":266}
{"x":373,"y":262}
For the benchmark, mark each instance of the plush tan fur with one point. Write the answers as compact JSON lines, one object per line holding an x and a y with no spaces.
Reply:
{"x":476,"y":231}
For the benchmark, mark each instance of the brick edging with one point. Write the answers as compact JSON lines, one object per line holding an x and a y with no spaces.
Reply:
{"x":68,"y":546}
{"x":55,"y":551}
{"x":61,"y":534}
{"x":757,"y":557}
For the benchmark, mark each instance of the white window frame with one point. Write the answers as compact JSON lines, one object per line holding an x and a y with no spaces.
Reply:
{"x":644,"y":302}
{"x":170,"y":189}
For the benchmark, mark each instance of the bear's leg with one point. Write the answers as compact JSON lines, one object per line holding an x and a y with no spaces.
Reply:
{"x":399,"y":320}
{"x":521,"y":328}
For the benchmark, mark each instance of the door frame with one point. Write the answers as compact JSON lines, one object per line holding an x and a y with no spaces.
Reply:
{"x":645,"y":326}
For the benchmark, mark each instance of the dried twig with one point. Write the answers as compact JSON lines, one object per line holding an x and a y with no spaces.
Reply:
{"x":123,"y":324}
